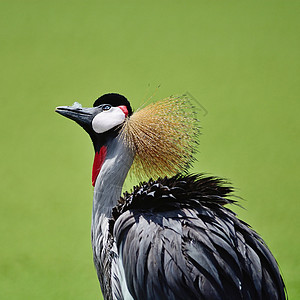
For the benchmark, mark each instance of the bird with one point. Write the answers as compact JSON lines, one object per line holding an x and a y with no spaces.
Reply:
{"x":172,"y":236}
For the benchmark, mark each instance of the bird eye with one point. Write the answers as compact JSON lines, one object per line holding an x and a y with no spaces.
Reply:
{"x":106,"y":107}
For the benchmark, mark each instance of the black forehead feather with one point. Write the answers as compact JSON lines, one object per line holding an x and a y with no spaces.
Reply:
{"x":115,"y":100}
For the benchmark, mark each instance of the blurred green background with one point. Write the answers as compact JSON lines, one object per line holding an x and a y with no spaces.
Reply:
{"x":238,"y":59}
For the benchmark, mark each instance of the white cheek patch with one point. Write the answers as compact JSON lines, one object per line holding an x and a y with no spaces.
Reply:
{"x":108,"y":119}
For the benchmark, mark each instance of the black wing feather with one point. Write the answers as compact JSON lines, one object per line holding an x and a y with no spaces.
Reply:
{"x":178,"y":241}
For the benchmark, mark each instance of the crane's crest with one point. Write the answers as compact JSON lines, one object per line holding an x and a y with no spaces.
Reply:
{"x":163,"y":136}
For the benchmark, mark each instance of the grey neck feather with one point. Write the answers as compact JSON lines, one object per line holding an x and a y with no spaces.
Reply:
{"x":111,"y":177}
{"x":107,"y":192}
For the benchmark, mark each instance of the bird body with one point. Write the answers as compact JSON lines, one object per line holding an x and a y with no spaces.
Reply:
{"x":173,"y":237}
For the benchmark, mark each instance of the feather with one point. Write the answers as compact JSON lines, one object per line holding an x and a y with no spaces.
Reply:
{"x":191,"y":248}
{"x":163,"y":137}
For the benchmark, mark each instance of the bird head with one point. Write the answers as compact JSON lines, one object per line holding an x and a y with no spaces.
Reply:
{"x":102,"y":120}
{"x":162,"y":135}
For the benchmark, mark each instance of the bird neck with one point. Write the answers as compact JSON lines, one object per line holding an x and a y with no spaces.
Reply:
{"x":114,"y":166}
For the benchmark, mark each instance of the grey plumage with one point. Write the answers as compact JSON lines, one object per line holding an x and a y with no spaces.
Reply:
{"x":178,"y":248}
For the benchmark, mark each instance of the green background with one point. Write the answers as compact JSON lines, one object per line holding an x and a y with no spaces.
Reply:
{"x":239,"y":60}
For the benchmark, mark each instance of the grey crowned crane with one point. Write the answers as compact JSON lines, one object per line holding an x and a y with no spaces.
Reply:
{"x":171,"y":237}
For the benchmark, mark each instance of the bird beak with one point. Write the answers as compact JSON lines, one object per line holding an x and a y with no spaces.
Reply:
{"x":81,"y":115}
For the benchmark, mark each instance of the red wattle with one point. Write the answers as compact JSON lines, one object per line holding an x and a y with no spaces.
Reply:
{"x":124,"y":110}
{"x":98,"y":162}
